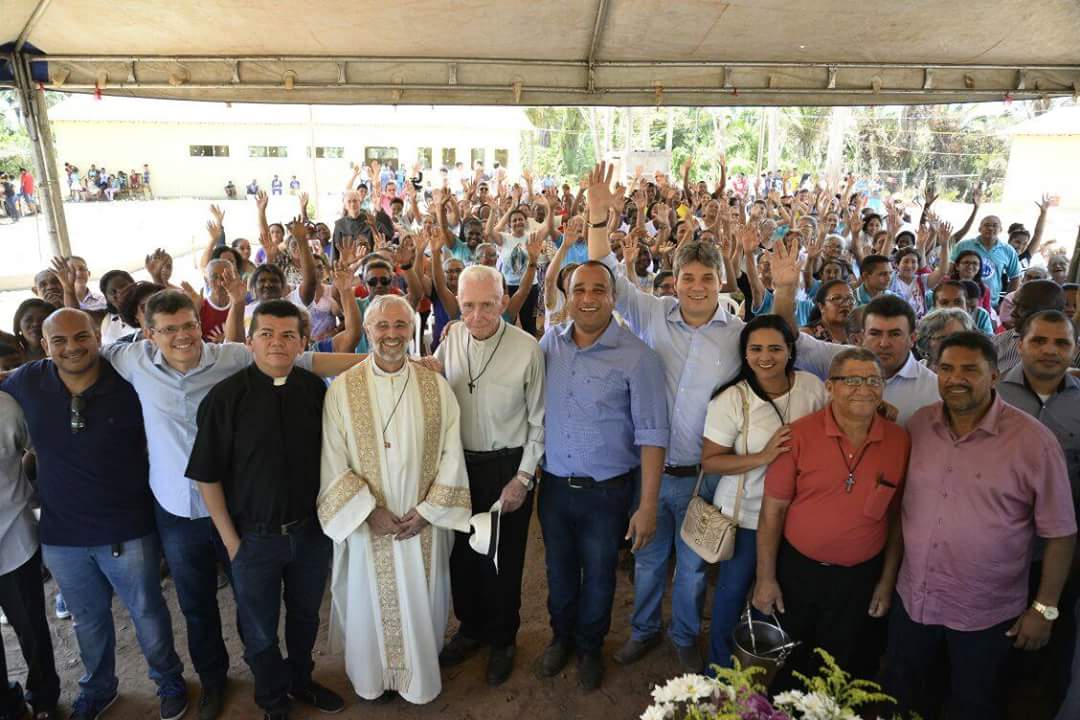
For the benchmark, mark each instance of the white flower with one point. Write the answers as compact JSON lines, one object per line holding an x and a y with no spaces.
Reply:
{"x":656,"y":712}
{"x":791,"y":697}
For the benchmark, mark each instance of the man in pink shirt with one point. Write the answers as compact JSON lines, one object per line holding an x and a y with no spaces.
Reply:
{"x":984,"y":480}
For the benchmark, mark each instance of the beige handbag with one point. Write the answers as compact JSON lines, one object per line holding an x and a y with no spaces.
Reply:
{"x":706,"y":529}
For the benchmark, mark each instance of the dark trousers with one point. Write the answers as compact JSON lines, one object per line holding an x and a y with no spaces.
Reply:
{"x":824,"y":608}
{"x":528,"y":308}
{"x":22,"y":599}
{"x":193,"y":551}
{"x":487,"y":602}
{"x":976,"y":661}
{"x":301,"y":562}
{"x":582,"y":530}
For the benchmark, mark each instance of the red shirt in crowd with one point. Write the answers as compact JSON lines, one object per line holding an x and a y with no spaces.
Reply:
{"x":825,"y":522}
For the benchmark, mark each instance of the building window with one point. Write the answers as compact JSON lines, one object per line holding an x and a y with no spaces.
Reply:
{"x":502,"y":157}
{"x":423,"y":156}
{"x":387,"y":156}
{"x":267,"y":151}
{"x":477,"y":155}
{"x":208,"y":150}
{"x":334,"y":153}
{"x":449,"y":157}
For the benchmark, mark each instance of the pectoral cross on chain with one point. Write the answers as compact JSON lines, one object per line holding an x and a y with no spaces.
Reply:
{"x":850,"y":482}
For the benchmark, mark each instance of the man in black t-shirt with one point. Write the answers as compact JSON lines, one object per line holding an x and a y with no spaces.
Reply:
{"x":257,"y":458}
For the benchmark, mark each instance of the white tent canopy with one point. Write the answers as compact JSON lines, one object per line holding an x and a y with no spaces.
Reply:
{"x":590,"y":52}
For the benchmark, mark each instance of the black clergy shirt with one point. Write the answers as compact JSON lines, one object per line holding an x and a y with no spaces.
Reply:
{"x":262,"y":442}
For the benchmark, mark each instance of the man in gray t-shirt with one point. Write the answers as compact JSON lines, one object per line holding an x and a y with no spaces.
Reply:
{"x":22,"y":598}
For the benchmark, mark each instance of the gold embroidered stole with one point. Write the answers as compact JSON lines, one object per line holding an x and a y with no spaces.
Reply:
{"x":396,"y":673}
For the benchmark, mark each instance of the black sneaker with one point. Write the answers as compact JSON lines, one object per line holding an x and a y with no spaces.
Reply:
{"x":590,"y":670}
{"x":88,"y":709}
{"x":500,"y":664}
{"x":321,"y":698}
{"x":555,"y":657}
{"x":458,"y":650}
{"x":212,"y":702}
{"x":174,"y":700}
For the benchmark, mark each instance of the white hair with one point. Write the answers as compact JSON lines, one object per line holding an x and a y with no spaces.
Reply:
{"x":216,"y":262}
{"x":480,"y":273}
{"x":382,"y":303}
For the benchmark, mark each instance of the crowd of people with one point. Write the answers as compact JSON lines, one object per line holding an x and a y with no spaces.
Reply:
{"x":17,"y":195}
{"x":102,"y":184}
{"x":885,"y":407}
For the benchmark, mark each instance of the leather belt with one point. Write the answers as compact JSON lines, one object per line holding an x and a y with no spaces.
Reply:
{"x":577,"y":482}
{"x":682,"y":470}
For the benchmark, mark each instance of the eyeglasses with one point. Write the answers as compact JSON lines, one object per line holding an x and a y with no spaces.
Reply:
{"x":78,"y":422}
{"x":170,"y":330}
{"x":384,"y":281}
{"x":840,"y":300}
{"x":874,"y":381}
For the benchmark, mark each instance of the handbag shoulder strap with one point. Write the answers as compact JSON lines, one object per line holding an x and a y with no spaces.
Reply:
{"x":746,"y":447}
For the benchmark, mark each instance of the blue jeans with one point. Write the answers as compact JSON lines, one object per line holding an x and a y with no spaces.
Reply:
{"x":193,"y":550}
{"x":300,"y":561}
{"x":582,"y":531}
{"x":651,"y":569}
{"x":88,"y":576}
{"x":733,"y":582}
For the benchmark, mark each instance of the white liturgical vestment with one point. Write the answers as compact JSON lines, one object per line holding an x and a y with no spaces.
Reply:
{"x":390,"y":599}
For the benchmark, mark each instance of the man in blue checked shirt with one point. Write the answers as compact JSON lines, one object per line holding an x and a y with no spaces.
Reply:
{"x":698,"y":344}
{"x":605,"y":416}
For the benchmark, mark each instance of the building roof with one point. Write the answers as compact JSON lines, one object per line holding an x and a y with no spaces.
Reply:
{"x":87,"y":108}
{"x":1062,"y":121}
{"x":590,"y":52}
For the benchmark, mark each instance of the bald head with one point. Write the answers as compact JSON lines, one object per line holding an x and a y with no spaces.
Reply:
{"x":66,"y":320}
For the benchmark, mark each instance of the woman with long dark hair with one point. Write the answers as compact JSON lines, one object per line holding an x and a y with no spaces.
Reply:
{"x":746,"y":428}
{"x":833,"y":304}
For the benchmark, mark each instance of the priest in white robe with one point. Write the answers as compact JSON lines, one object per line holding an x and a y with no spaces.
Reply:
{"x":393,"y":489}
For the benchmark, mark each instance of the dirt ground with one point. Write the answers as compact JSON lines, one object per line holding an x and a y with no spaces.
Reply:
{"x":624,"y":694}
{"x":465,"y":696}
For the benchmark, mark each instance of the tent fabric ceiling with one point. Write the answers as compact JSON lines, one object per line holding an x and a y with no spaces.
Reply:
{"x":589,"y":52}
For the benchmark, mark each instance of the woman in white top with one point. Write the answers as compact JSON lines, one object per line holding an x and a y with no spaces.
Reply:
{"x":746,"y":428}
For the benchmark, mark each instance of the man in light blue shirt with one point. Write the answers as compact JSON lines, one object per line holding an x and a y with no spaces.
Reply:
{"x":999,"y":258}
{"x":698,"y":344}
{"x":604,"y":417}
{"x":172,"y":373}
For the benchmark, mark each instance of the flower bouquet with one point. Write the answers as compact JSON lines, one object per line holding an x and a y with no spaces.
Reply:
{"x":734,"y":694}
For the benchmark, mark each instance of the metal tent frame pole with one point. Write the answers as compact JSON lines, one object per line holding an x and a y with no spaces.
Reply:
{"x":36,"y":117}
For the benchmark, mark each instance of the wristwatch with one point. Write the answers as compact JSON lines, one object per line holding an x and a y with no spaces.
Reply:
{"x":525,"y":479}
{"x":1050,"y":613}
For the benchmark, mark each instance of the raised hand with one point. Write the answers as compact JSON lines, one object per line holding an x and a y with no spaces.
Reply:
{"x":631,"y":249}
{"x":190,"y":292}
{"x":686,"y":165}
{"x":234,"y":285}
{"x":217,"y":335}
{"x":65,"y":271}
{"x":303,"y":201}
{"x":341,"y":277}
{"x":534,"y":245}
{"x":599,"y":194}
{"x":262,"y":200}
{"x":213,"y":229}
{"x":977,"y":196}
{"x":218,"y":213}
{"x":785,"y":264}
{"x":1045,"y":203}
{"x":379,"y":239}
{"x":298,"y":229}
{"x":405,"y":252}
{"x":155,"y":263}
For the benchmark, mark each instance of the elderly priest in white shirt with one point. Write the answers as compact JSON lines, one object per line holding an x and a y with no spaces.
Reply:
{"x":393,"y":489}
{"x":497,"y":373}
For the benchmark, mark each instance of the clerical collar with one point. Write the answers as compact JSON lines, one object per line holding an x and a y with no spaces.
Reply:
{"x":386,"y":373}
{"x":280,"y":380}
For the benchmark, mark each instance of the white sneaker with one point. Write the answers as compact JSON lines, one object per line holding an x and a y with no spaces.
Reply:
{"x":3,"y":619}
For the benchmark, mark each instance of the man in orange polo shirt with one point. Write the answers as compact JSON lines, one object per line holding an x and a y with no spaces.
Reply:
{"x":829,"y":534}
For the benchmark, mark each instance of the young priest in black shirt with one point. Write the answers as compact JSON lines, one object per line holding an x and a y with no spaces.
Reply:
{"x":256,"y":459}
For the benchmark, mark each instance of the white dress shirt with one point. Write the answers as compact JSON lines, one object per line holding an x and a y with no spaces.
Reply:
{"x":505,"y":409}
